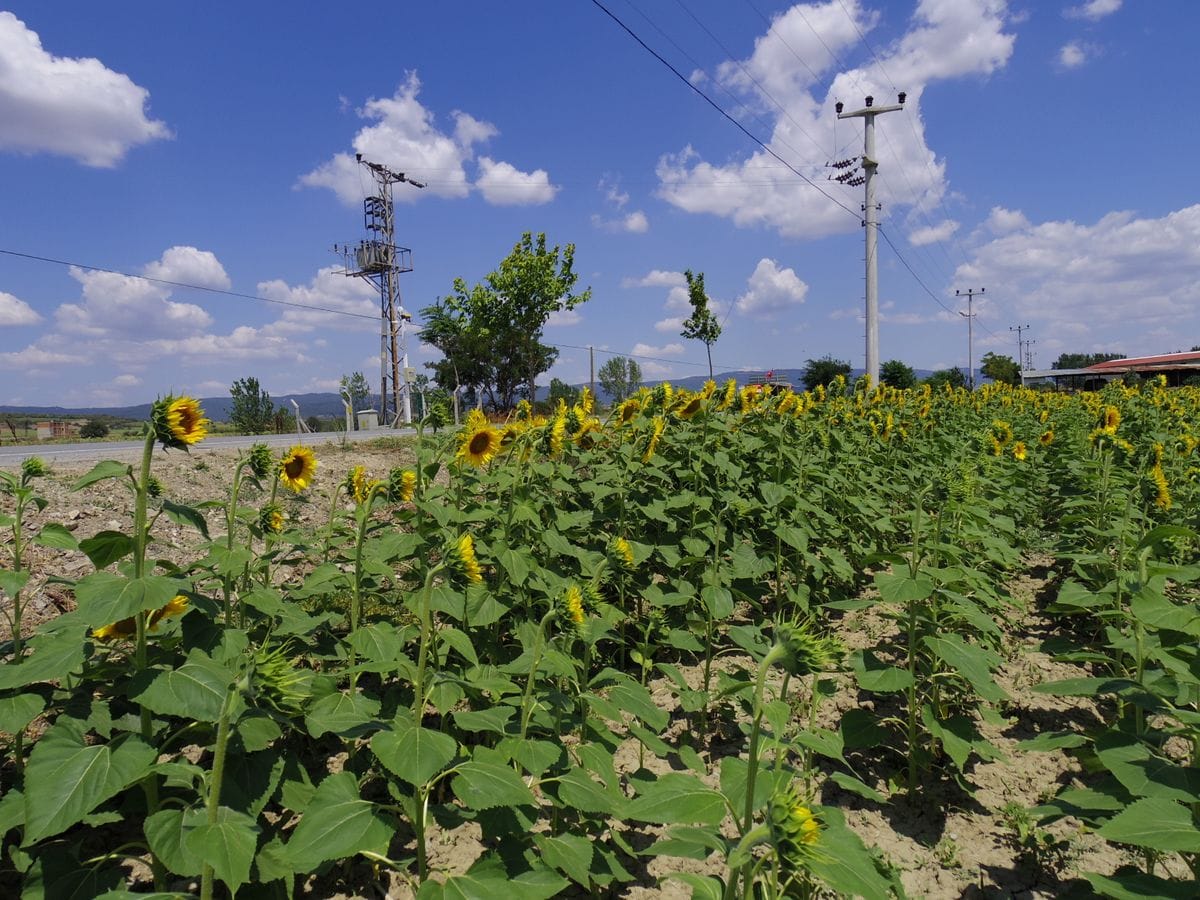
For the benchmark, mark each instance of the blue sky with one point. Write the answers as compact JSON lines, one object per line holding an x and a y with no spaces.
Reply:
{"x":1044,"y":153}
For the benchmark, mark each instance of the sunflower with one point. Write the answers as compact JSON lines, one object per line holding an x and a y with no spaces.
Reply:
{"x":1047,"y":437}
{"x":178,"y":422}
{"x":1112,"y":420}
{"x":623,"y":552}
{"x":259,"y":460}
{"x":296,"y":469}
{"x":655,"y":434}
{"x":691,"y":407}
{"x":402,"y":484}
{"x":587,"y":401}
{"x":358,"y":485}
{"x":558,"y":430}
{"x":128,"y":627}
{"x":628,"y":411}
{"x":1018,"y":451}
{"x":462,"y":558}
{"x":795,"y":829}
{"x":478,"y":444}
{"x":728,"y":394}
{"x":270,"y":519}
{"x":33,"y":467}
{"x":1162,"y":498}
{"x":573,"y":605}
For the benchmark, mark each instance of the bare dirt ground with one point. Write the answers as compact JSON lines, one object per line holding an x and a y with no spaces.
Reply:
{"x":952,"y":843}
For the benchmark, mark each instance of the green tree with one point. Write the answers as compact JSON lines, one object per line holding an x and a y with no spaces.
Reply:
{"x":93,"y":428}
{"x":355,"y":385}
{"x":1083,"y":360}
{"x":701,"y":325}
{"x":560,"y":390}
{"x":620,"y":377}
{"x":284,"y":420}
{"x":313,"y":424}
{"x":252,"y":411}
{"x":897,"y":374}
{"x":1002,"y":369}
{"x":818,"y":372}
{"x":491,"y":334}
{"x":953,"y":377}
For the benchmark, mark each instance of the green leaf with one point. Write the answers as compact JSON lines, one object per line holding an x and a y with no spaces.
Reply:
{"x":569,"y":853}
{"x":677,"y":798}
{"x":56,"y":536}
{"x":106,"y":547}
{"x":413,"y":753}
{"x":1133,"y":885}
{"x":875,"y":675}
{"x":227,"y":845}
{"x":379,"y":642}
{"x":1154,"y":823}
{"x":578,"y":790}
{"x":844,"y":863}
{"x":186,"y":515}
{"x":1052,"y":740}
{"x":194,"y":690}
{"x":856,"y":786}
{"x":902,"y":589}
{"x":488,"y":879}
{"x":1145,"y":774}
{"x":970,"y":662}
{"x":12,"y":582}
{"x":534,"y":756}
{"x":337,"y":823}
{"x":344,"y":714}
{"x":165,"y":833}
{"x":515,"y":563}
{"x":66,"y":779}
{"x":1156,"y":611}
{"x":105,"y":597}
{"x":258,"y":731}
{"x":494,"y":719}
{"x":717,"y":600}
{"x":17,"y":712}
{"x":55,"y":655}
{"x":860,"y":729}
{"x":481,"y":785}
{"x":109,"y":468}
{"x":631,"y":697}
{"x":704,"y":887}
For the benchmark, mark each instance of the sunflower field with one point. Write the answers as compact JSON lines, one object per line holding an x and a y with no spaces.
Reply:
{"x":738,"y":642}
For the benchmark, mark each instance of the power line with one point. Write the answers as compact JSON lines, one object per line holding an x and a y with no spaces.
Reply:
{"x":184,"y":284}
{"x":707,"y":99}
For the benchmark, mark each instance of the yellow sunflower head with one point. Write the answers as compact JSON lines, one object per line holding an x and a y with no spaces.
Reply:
{"x":628,"y":410}
{"x":177,"y":607}
{"x":691,"y":407}
{"x":122,"y":629}
{"x":358,"y":485}
{"x":622,"y":552}
{"x":402,"y":484}
{"x":297,"y":468}
{"x":478,"y":445}
{"x":178,"y":422}
{"x":655,"y":434}
{"x":463,"y":560}
{"x":1018,"y":451}
{"x":572,"y":606}
{"x":1111,"y":419}
{"x":270,"y":519}
{"x":795,"y":829}
{"x":1047,"y":437}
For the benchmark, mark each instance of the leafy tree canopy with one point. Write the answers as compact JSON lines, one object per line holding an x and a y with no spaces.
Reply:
{"x":953,"y":377}
{"x":1083,"y":360}
{"x":822,"y":371}
{"x":620,"y":377}
{"x":252,"y":411}
{"x":359,"y":391}
{"x":490,"y":335}
{"x":93,"y":428}
{"x":1001,"y":369}
{"x":897,"y":374}
{"x":701,"y":325}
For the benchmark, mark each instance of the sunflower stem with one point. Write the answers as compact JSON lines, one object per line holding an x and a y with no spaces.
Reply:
{"x":426,"y":636}
{"x":539,"y":646}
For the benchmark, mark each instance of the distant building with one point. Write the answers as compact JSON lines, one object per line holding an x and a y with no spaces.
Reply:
{"x":1177,"y":367}
{"x":56,"y":429}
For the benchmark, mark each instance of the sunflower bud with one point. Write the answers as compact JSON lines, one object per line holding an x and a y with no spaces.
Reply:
{"x":803,"y":653}
{"x":620,"y":550}
{"x":463,"y":561}
{"x":260,"y":460}
{"x":154,"y":487}
{"x":278,"y":683}
{"x":33,"y":467}
{"x":795,"y":830}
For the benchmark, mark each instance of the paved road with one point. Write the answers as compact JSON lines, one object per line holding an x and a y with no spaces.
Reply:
{"x":11,"y":456}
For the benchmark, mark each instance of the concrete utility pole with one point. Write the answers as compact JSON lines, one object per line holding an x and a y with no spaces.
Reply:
{"x":970,"y":317}
{"x":380,"y":261}
{"x":592,"y":369}
{"x":871,"y":222}
{"x":1024,"y":354}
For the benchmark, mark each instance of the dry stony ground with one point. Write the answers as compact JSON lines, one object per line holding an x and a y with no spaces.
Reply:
{"x":950,"y":843}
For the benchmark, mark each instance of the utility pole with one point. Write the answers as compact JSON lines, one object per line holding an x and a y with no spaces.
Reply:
{"x":970,"y":317}
{"x":1024,"y":354}
{"x":379,"y":261}
{"x":592,"y":369}
{"x":871,"y":221}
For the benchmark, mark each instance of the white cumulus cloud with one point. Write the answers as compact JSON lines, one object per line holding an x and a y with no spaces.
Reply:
{"x":771,"y":290}
{"x":502,"y":184}
{"x":1075,"y":54}
{"x":76,"y":108}
{"x":933,"y":233}
{"x":656,"y":278}
{"x":332,"y":291}
{"x":1093,"y":10}
{"x":945,"y":40}
{"x":15,"y":311}
{"x":672,"y":349}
